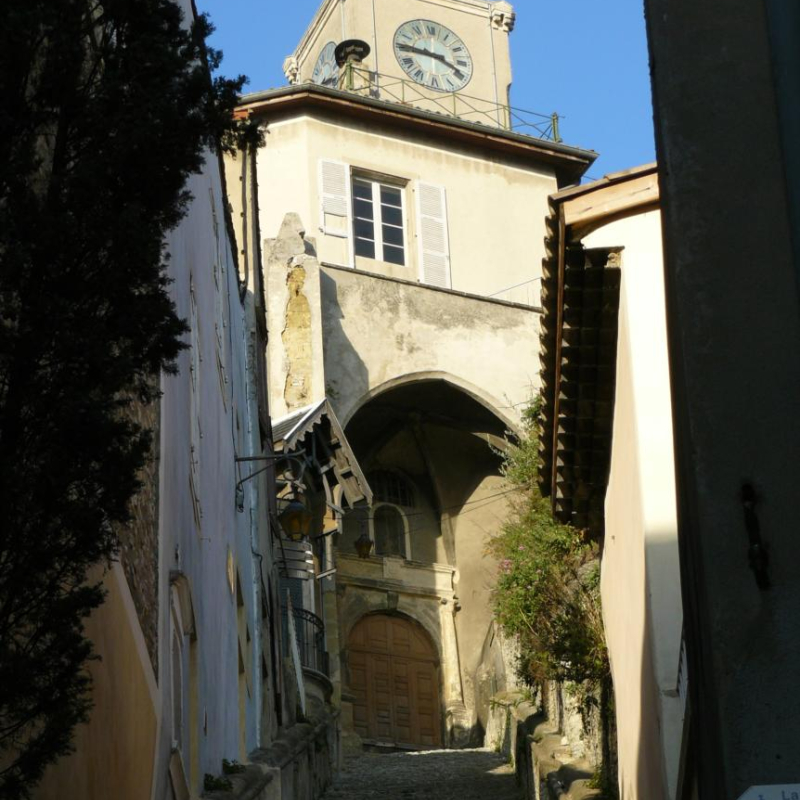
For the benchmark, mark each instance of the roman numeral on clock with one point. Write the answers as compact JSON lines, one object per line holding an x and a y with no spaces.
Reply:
{"x":432,"y":55}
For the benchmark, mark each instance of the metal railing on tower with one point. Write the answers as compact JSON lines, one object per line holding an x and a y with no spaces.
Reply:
{"x":367,"y":83}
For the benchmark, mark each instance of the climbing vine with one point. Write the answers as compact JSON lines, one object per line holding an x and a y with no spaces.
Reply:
{"x":547,"y":593}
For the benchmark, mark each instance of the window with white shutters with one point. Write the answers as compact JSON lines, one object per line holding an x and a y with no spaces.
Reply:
{"x":334,"y":185}
{"x":434,"y":246}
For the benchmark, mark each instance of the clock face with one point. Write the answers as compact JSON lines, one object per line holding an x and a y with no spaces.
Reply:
{"x":326,"y":72}
{"x":433,"y":55}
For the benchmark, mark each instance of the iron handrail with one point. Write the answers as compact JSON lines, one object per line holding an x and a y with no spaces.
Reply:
{"x":454,"y":104}
{"x":310,"y":631}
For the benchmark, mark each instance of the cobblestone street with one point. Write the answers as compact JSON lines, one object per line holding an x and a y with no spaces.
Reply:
{"x":435,"y":774}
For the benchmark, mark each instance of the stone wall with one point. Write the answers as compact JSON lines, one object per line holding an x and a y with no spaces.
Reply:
{"x":380,"y":332}
{"x":294,"y":347}
{"x":139,"y":539}
{"x":543,"y":753}
{"x":555,"y":745}
{"x":300,"y":765}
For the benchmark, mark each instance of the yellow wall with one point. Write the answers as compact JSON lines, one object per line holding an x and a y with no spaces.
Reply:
{"x":115,"y":750}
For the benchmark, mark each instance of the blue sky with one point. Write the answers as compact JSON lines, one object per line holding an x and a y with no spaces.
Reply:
{"x":585,"y":59}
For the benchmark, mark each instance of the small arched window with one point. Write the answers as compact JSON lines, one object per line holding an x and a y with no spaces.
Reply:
{"x":390,"y":531}
{"x":389,"y":487}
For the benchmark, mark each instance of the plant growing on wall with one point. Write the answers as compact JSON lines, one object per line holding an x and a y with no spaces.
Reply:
{"x":108,"y":106}
{"x":547,"y":593}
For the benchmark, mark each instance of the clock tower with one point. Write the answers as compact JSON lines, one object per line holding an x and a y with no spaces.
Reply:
{"x":402,"y":293}
{"x":444,"y":56}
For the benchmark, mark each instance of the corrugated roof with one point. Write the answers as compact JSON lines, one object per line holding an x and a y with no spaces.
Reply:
{"x":284,"y":427}
{"x":288,"y":433}
{"x":580,"y":296}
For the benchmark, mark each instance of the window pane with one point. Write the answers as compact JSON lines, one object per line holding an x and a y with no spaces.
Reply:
{"x":394,"y":255}
{"x":389,"y":532}
{"x":389,"y":487}
{"x":362,"y":189}
{"x":364,"y":229}
{"x":391,"y":196}
{"x":394,"y":216}
{"x":365,"y":248}
{"x":393,"y":235}
{"x":363,"y":209}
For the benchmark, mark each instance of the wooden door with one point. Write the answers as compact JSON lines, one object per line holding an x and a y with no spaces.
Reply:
{"x":394,"y":675}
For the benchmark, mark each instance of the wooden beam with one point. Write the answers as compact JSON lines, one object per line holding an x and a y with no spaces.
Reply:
{"x":608,"y":200}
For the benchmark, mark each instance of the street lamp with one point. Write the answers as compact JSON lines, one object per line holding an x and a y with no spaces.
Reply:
{"x":297,"y":458}
{"x":296,"y":520}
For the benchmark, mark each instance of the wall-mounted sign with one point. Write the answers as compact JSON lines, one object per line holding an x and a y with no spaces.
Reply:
{"x":786,"y":792}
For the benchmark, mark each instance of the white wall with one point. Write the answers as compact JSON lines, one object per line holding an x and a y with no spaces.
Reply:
{"x":201,"y":551}
{"x":496,"y":206}
{"x":640,"y":572}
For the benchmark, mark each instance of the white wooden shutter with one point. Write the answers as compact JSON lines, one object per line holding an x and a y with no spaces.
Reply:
{"x":434,"y":245}
{"x":334,"y":195}
{"x":335,"y":210}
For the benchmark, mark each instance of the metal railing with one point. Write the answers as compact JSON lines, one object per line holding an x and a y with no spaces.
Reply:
{"x":452,"y":104}
{"x":310,"y":633}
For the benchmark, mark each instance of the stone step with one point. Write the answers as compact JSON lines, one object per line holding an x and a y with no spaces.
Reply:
{"x":433,"y":775}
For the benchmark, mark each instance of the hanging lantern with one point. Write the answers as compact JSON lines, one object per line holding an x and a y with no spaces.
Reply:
{"x":296,"y":520}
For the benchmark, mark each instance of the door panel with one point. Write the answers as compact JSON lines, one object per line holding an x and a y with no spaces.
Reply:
{"x":379,"y":695}
{"x":394,"y":677}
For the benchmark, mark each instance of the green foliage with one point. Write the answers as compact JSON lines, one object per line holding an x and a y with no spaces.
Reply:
{"x":547,"y":591}
{"x":232,"y":767}
{"x":108,"y":107}
{"x":548,"y":596}
{"x":213,"y":784}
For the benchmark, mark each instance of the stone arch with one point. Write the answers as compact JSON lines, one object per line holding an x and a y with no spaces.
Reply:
{"x":396,"y":680}
{"x":484,"y":398}
{"x":356,"y":606}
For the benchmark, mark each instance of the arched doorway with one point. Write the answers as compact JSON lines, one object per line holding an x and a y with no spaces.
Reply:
{"x":394,"y":677}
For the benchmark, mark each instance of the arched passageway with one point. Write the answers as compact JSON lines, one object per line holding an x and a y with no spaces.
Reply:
{"x":394,"y":678}
{"x":427,"y":447}
{"x":431,"y":454}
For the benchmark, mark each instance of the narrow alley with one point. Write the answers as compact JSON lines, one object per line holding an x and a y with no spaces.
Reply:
{"x":440,"y":774}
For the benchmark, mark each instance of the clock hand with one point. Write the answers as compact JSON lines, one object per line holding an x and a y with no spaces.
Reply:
{"x":408,"y":48}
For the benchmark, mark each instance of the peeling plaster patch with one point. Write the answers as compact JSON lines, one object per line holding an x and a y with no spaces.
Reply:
{"x":296,"y":336}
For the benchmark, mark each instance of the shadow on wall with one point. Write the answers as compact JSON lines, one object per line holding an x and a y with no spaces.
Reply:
{"x":649,"y":775}
{"x":337,"y":347}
